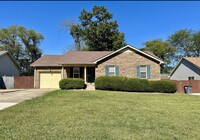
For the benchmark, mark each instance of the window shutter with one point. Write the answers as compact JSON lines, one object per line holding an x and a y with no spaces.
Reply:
{"x":116,"y":71}
{"x":148,"y":72}
{"x":138,"y":71}
{"x":107,"y":70}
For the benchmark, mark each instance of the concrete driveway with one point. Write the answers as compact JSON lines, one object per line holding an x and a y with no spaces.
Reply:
{"x":14,"y":96}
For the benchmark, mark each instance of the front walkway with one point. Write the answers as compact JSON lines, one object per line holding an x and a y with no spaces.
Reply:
{"x":14,"y":96}
{"x":90,"y":87}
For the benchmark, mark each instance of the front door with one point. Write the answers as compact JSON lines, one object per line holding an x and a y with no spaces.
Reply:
{"x":91,"y":75}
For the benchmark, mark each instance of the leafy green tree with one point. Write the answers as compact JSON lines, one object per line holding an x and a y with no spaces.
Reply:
{"x":196,"y":44}
{"x":187,"y":43}
{"x":31,"y":41}
{"x":9,"y":41}
{"x":183,"y":41}
{"x":163,"y":50}
{"x":96,"y":31}
{"x":23,"y":44}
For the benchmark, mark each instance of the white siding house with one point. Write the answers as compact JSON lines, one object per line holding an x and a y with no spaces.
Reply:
{"x":188,"y":68}
{"x":8,"y":66}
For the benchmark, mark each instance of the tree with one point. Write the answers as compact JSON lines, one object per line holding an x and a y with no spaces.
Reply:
{"x":9,"y":41}
{"x":22,"y":44}
{"x":163,"y":50}
{"x":196,"y":44}
{"x":31,"y":40}
{"x":96,"y":31}
{"x":183,"y":41}
{"x":187,"y":43}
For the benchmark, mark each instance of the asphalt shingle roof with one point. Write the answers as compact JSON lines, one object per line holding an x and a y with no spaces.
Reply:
{"x":76,"y":57}
{"x":194,"y":60}
{"x":71,"y":57}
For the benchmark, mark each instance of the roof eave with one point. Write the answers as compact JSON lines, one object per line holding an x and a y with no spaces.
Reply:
{"x":128,"y":46}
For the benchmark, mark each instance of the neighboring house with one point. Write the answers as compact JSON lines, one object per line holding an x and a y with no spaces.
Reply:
{"x":8,"y":65}
{"x":127,"y":61}
{"x":188,"y":68}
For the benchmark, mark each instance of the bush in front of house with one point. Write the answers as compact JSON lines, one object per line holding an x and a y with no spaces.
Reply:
{"x":115,"y":83}
{"x":136,"y":85}
{"x":119,"y":83}
{"x":162,"y":86}
{"x":71,"y":83}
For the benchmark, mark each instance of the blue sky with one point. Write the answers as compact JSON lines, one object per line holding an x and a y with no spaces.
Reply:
{"x":140,"y":21}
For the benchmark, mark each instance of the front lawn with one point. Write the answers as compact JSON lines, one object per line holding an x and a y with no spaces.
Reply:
{"x":103,"y":115}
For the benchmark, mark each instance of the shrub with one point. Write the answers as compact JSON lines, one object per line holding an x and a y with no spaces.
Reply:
{"x":110,"y":83}
{"x":162,"y":86}
{"x":118,"y":83}
{"x":136,"y":85}
{"x":71,"y":83}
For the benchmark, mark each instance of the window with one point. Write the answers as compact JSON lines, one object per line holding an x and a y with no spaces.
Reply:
{"x":191,"y":78}
{"x":111,"y":70}
{"x":143,"y":72}
{"x":76,"y":72}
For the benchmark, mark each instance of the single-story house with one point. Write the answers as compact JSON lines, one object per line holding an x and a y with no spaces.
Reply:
{"x":126,"y":61}
{"x":8,"y":65}
{"x":188,"y":68}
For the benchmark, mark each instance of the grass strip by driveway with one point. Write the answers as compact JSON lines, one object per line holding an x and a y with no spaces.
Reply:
{"x":103,"y":115}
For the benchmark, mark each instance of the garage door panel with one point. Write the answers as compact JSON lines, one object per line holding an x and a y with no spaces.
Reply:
{"x":50,"y":80}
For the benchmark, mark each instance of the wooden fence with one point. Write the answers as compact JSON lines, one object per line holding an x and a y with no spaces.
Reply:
{"x":182,"y":83}
{"x":23,"y":82}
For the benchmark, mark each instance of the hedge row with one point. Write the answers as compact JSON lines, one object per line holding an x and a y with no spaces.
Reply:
{"x":118,"y":83}
{"x":72,"y":83}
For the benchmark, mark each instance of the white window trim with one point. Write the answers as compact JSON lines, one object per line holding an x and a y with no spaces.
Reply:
{"x":109,"y":69}
{"x":146,"y":71}
{"x":77,"y":72}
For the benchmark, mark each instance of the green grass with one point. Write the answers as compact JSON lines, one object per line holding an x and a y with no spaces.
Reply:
{"x":103,"y":115}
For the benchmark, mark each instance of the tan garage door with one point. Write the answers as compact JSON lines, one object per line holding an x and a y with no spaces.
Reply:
{"x":50,"y":80}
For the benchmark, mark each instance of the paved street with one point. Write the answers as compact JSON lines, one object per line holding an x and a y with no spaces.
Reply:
{"x":11,"y":97}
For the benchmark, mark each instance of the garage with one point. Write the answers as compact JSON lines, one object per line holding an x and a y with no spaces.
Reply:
{"x":50,"y":80}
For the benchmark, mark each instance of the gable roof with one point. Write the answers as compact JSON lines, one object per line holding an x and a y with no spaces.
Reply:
{"x":2,"y":53}
{"x":153,"y":55}
{"x":147,"y":53}
{"x":193,"y":60}
{"x":71,"y":57}
{"x":85,"y":57}
{"x":48,"y":60}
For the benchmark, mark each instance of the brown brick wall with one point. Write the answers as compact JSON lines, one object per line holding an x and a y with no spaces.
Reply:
{"x":127,"y":62}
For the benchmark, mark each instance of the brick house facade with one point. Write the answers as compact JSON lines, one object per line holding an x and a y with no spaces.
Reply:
{"x":127,"y":61}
